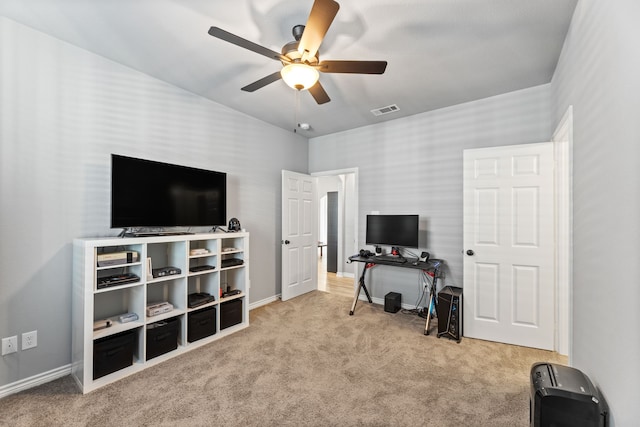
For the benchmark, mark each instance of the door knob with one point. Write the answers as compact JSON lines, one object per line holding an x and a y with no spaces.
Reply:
{"x":470,"y":252}
{"x":286,"y":242}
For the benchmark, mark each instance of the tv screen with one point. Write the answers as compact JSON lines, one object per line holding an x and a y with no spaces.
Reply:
{"x":145,"y":193}
{"x":394,"y":230}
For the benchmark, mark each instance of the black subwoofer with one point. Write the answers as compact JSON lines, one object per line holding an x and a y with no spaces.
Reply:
{"x":392,"y":302}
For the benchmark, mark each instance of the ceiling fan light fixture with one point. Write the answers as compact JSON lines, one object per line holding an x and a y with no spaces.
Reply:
{"x":299,"y":76}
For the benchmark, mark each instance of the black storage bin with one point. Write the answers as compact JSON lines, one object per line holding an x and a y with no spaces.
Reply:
{"x":230,"y":313}
{"x":201,"y":324}
{"x":112,"y":353}
{"x":162,"y":337}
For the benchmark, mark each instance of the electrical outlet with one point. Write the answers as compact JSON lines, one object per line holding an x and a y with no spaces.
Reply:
{"x":29,"y":340}
{"x":9,"y":345}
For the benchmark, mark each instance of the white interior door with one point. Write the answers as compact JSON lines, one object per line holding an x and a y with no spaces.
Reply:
{"x":299,"y":234}
{"x":509,"y":245}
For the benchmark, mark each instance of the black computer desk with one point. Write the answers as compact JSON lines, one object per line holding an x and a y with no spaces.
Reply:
{"x":431,"y":268}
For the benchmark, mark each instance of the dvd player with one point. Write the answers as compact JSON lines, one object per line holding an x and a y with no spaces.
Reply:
{"x":198,"y":268}
{"x":116,"y":279}
{"x":231,"y":262}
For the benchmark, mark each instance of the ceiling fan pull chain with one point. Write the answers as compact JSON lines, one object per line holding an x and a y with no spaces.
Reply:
{"x":296,"y":107}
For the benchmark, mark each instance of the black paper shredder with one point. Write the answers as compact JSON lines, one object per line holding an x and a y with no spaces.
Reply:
{"x":562,"y":396}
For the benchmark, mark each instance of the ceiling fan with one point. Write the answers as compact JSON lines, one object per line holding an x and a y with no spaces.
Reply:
{"x":300,"y":58}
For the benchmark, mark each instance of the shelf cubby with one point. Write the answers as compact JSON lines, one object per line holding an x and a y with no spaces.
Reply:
{"x":171,"y":290}
{"x":232,"y":243}
{"x":207,"y":283}
{"x":110,"y":305}
{"x":233,"y":278}
{"x":167,"y":254}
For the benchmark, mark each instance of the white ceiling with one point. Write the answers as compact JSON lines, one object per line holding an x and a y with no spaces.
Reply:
{"x":439,"y":52}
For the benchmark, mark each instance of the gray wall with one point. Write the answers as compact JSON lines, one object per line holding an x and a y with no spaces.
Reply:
{"x":350,"y":224}
{"x":413,"y":165}
{"x":599,"y":74}
{"x":63,"y":111}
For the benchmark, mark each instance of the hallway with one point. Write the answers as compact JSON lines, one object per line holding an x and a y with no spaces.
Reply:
{"x":330,"y":282}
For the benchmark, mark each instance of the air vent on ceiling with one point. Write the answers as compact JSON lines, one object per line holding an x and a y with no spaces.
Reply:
{"x":385,"y":110}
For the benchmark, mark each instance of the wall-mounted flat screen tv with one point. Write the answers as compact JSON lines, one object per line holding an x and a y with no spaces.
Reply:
{"x":393,"y":230}
{"x":146,"y":193}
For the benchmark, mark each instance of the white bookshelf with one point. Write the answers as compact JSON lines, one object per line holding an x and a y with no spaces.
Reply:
{"x":91,"y":304}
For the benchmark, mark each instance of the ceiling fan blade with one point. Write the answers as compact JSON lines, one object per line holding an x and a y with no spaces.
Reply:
{"x":239,"y":41}
{"x":357,"y":67}
{"x":318,"y":93}
{"x":320,"y":18}
{"x":262,"y":82}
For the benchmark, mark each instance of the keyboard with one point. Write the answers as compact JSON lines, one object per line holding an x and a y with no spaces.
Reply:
{"x":390,"y":258}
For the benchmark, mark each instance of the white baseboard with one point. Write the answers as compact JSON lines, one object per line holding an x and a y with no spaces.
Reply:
{"x":344,"y":274}
{"x":264,"y":302}
{"x":35,"y":380}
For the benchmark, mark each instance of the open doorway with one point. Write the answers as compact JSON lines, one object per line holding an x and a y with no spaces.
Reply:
{"x":337,"y":230}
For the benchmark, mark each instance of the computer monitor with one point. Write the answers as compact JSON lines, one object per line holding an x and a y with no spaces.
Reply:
{"x":393,"y":230}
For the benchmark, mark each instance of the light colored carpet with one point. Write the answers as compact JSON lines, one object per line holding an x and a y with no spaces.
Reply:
{"x":306,"y":362}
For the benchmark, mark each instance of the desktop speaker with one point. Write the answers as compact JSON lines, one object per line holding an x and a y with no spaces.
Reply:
{"x":449,"y":310}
